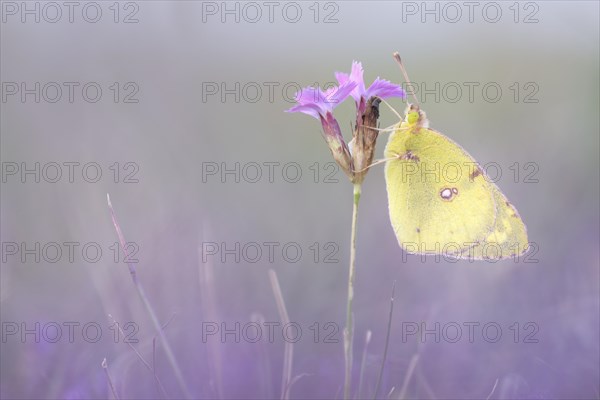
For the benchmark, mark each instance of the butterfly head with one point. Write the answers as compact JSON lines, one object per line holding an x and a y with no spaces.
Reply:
{"x":415,"y":117}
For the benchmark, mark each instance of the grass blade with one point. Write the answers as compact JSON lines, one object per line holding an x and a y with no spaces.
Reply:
{"x":147,"y":305}
{"x":387,"y":340}
{"x":288,"y":352}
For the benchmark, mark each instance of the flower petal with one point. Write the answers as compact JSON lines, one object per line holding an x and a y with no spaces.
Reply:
{"x":310,"y":95}
{"x":342,"y":77}
{"x":338,"y":94}
{"x":311,"y":109}
{"x":356,"y":75}
{"x":384,"y":89}
{"x":315,"y":102}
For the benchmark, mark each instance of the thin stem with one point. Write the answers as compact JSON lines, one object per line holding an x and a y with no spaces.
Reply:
{"x":387,"y":341}
{"x":142,"y":295}
{"x":150,"y":368}
{"x":363,"y":363}
{"x":288,"y":352}
{"x":493,"y":389}
{"x":349,"y":330}
{"x":112,"y":386}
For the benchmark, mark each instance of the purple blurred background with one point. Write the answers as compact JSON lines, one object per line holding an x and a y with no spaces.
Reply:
{"x":196,"y":74}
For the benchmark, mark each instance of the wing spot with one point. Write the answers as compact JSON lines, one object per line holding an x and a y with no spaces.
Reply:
{"x":448,"y":193}
{"x":418,"y":230}
{"x":475,"y":173}
{"x":410,"y":156}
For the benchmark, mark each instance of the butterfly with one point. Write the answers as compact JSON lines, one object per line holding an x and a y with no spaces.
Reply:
{"x":440,"y":199}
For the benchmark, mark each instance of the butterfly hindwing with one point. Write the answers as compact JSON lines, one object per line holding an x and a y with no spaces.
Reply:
{"x":509,"y":236}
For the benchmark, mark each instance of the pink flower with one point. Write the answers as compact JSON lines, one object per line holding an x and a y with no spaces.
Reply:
{"x":320,"y":105}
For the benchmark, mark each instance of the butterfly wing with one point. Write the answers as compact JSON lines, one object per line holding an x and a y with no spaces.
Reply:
{"x":439,"y":198}
{"x":509,"y":236}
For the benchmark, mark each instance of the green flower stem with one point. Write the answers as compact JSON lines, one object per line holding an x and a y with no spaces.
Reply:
{"x":349,"y":330}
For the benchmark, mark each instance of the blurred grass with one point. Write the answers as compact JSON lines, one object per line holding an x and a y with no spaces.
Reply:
{"x":171,"y":132}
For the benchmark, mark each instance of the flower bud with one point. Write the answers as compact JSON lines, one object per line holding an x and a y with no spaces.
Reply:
{"x":364,"y":139}
{"x":337,"y":145}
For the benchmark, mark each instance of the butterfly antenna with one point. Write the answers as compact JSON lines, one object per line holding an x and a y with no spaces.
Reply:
{"x":399,"y":61}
